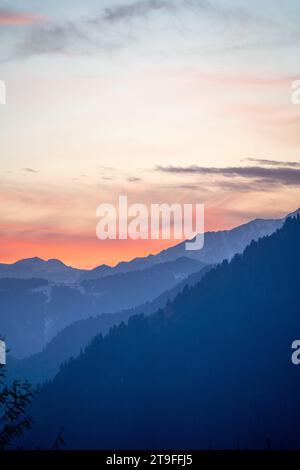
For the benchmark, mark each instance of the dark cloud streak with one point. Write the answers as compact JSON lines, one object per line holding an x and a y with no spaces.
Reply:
{"x":264,"y":161}
{"x":30,"y":170}
{"x":274,"y":175}
{"x":138,"y":9}
{"x":133,"y":179}
{"x":50,"y":38}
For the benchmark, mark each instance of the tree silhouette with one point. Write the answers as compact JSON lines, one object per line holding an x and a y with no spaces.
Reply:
{"x":14,"y":400}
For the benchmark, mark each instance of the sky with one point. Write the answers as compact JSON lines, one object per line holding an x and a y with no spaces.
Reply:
{"x":165,"y":101}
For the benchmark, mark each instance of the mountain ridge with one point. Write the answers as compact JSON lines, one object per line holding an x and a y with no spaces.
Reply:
{"x":71,"y":274}
{"x":211,"y":369}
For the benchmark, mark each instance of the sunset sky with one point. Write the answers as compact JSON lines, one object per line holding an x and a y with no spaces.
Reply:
{"x":160,"y":100}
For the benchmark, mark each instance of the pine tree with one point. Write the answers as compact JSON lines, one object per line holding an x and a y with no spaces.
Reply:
{"x":14,"y":401}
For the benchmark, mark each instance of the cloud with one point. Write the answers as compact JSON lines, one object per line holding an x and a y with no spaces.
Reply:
{"x":133,"y":179}
{"x":68,"y":37}
{"x":30,"y":170}
{"x":190,"y":187}
{"x":138,"y":9}
{"x":11,"y":17}
{"x":225,"y":13}
{"x":261,"y":175}
{"x":96,"y":31}
{"x":50,"y":38}
{"x":264,"y":161}
{"x":54,"y":37}
{"x":257,"y":185}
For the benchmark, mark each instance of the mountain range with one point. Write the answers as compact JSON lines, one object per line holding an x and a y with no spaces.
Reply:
{"x":70,"y":341}
{"x":40,"y":298}
{"x":33,"y":311}
{"x":212,"y":369}
{"x":217,"y":246}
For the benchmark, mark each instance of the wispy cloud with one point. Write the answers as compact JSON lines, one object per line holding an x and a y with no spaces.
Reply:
{"x":138,"y":9}
{"x":264,"y":161}
{"x":274,"y":175}
{"x":11,"y":17}
{"x":73,"y":36}
{"x":52,"y":37}
{"x":133,"y":179}
{"x":30,"y":170}
{"x":225,"y":13}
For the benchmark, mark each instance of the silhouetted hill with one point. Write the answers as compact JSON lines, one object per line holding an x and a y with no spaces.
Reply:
{"x":123,"y":291}
{"x":33,"y":311}
{"x":51,"y":270}
{"x":211,"y":369}
{"x":75,"y":337}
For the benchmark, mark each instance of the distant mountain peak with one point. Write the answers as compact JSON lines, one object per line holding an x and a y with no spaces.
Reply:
{"x":55,"y":261}
{"x":30,"y":261}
